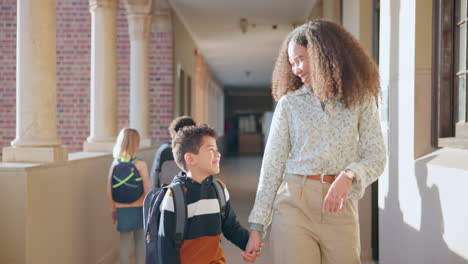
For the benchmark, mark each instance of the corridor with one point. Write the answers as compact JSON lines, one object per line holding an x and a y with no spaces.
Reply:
{"x":240,"y":174}
{"x":73,"y":73}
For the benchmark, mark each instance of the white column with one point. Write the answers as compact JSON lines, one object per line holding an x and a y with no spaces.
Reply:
{"x":103,"y":129}
{"x":139,"y":27}
{"x":36,"y":126}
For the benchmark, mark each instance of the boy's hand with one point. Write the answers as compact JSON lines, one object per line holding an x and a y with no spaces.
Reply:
{"x":249,"y":257}
{"x":252,"y":256}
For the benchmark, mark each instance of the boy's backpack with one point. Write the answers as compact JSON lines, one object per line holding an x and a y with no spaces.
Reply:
{"x":152,"y":215}
{"x":126,"y":182}
{"x":164,"y":167}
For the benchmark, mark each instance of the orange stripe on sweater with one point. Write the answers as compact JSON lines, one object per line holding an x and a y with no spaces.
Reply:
{"x":202,"y":250}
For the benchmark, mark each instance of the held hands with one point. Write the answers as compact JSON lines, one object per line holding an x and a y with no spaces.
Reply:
{"x":335,"y":200}
{"x":253,"y":248}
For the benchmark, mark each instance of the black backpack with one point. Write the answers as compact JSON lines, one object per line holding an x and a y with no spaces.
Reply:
{"x":152,"y":215}
{"x":126,"y":182}
{"x":164,"y":167}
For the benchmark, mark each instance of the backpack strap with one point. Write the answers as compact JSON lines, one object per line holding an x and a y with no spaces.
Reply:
{"x":149,"y":203}
{"x":180,"y":209}
{"x":123,"y":160}
{"x":221,"y":197}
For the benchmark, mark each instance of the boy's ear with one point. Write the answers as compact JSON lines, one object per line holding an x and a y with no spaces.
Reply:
{"x":189,"y":159}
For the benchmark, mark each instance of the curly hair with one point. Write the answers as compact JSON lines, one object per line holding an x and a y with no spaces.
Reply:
{"x":189,"y":140}
{"x":180,"y":122}
{"x":339,"y":66}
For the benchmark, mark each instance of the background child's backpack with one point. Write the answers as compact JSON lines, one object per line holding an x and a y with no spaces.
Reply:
{"x":164,"y":167}
{"x":126,"y":182}
{"x":152,"y":216}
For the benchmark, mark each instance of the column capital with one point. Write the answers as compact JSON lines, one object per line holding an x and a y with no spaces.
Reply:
{"x":139,"y":26}
{"x":138,"y":7}
{"x":107,"y":4}
{"x":162,"y":19}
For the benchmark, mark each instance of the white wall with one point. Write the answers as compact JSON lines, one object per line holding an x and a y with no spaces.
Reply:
{"x":423,"y":212}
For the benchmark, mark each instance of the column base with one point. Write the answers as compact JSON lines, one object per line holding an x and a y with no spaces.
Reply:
{"x":144,"y":143}
{"x":35,"y":154}
{"x":98,"y":146}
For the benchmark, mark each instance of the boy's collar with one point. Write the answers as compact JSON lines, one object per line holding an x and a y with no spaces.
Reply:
{"x":208,"y":178}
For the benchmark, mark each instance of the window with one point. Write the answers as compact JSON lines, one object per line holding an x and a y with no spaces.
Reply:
{"x":450,"y":111}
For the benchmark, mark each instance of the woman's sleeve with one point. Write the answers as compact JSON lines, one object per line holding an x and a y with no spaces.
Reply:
{"x":274,"y":159}
{"x":371,"y":159}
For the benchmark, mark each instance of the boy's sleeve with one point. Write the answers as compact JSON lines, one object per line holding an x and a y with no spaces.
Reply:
{"x":166,"y":249}
{"x":232,"y":229}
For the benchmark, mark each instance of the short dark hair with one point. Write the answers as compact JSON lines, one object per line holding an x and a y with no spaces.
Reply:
{"x":180,"y":122}
{"x":189,"y":140}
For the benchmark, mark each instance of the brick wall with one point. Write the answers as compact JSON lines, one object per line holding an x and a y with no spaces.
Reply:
{"x":73,"y":74}
{"x":7,"y":71}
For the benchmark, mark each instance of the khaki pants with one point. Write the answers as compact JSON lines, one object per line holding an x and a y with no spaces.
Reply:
{"x":301,"y":233}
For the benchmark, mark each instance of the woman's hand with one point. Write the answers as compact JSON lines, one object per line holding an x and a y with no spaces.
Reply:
{"x":253,"y":248}
{"x":337,"y":195}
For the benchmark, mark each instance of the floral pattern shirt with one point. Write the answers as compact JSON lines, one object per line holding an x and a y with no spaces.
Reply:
{"x":307,"y":137}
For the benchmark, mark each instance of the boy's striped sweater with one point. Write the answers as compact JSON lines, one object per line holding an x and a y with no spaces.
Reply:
{"x":203,"y":228}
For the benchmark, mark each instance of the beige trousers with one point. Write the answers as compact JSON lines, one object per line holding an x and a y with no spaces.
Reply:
{"x":301,"y":233}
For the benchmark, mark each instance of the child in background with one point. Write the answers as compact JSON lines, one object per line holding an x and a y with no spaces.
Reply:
{"x":127,"y":187}
{"x":164,"y":154}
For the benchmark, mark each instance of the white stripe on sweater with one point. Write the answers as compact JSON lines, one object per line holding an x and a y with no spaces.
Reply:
{"x":201,"y":207}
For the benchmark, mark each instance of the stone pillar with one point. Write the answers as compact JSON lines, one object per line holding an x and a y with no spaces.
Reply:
{"x":36,"y":125}
{"x":139,"y":27}
{"x":103,"y":129}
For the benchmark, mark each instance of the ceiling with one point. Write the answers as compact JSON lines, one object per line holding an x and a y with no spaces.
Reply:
{"x":241,"y":60}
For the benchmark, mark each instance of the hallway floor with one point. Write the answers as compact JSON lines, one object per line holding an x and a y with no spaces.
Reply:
{"x":240,"y":174}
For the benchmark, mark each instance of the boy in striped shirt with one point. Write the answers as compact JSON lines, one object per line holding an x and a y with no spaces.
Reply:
{"x":196,"y":153}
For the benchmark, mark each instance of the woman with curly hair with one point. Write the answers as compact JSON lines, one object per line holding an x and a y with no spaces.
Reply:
{"x":325,"y":147}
